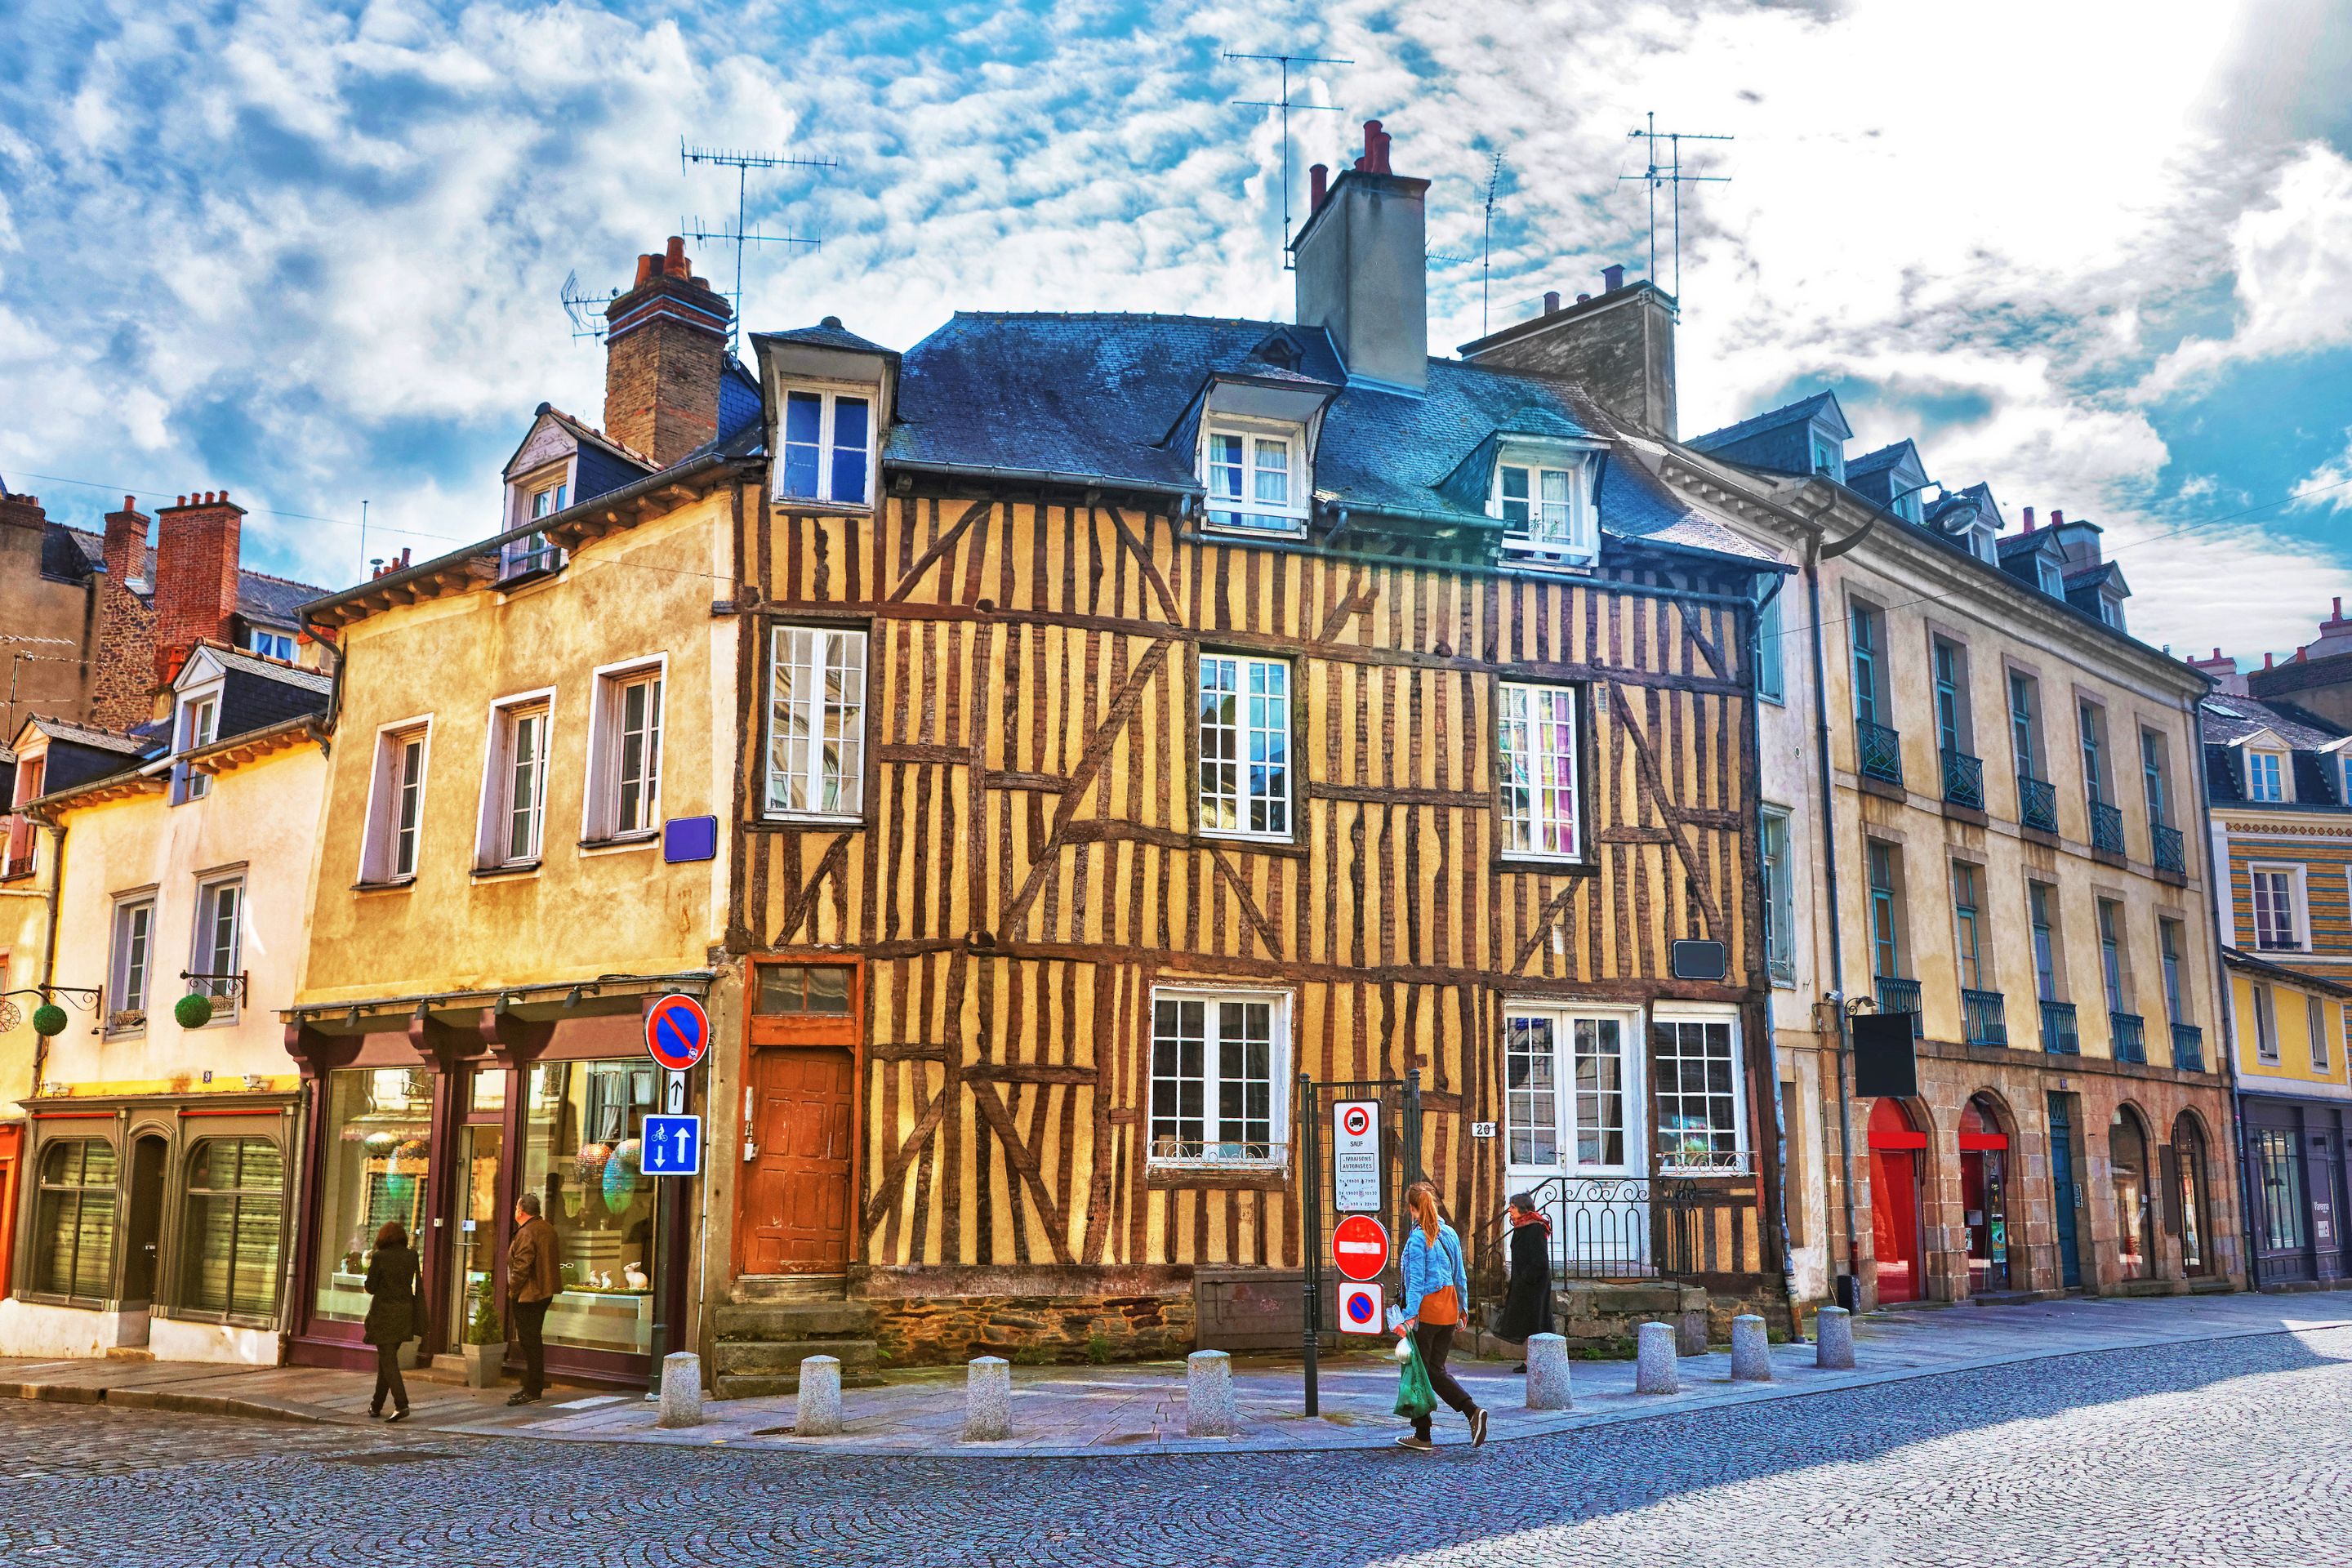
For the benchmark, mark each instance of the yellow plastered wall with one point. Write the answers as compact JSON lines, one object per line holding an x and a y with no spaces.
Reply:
{"x":2290,"y":1004}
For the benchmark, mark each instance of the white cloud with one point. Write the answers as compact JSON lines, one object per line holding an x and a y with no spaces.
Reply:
{"x":2329,"y":486}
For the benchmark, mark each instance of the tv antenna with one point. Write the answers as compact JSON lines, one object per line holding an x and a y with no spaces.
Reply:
{"x":585,"y":308}
{"x":1486,"y":261}
{"x":1670,"y":173}
{"x":1285,"y":104}
{"x":743,"y":163}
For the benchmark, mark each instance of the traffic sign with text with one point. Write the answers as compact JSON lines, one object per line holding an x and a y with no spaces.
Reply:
{"x":1356,"y":1156}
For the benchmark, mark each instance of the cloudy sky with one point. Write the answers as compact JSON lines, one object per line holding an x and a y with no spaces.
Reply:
{"x":314,"y":253}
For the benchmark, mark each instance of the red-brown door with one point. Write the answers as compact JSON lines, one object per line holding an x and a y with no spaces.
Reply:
{"x":796,"y":1187}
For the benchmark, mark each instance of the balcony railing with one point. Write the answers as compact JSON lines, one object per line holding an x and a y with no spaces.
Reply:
{"x":1984,"y":1016}
{"x":1882,"y":751}
{"x":1964,"y":780}
{"x":529,"y":556}
{"x":2188,"y":1047}
{"x":2129,"y":1035}
{"x":2106,"y":828}
{"x":1900,"y":997}
{"x":2037,"y":802}
{"x":2058,"y":1037}
{"x":2170,"y":853}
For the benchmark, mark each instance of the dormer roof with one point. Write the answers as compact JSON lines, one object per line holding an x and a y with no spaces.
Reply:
{"x":1821,"y":407}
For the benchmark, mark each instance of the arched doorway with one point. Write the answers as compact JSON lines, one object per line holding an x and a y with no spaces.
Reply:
{"x":1898,"y":1150}
{"x":2128,"y":1162}
{"x":2196,"y":1219}
{"x":1984,"y":1195}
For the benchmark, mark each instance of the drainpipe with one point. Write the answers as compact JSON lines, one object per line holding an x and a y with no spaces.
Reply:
{"x":1771,"y":1039}
{"x":1814,"y":556}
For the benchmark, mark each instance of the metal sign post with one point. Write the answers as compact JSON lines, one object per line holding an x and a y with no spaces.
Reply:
{"x":1310,"y":1211}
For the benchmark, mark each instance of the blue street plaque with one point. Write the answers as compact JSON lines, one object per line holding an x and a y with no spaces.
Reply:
{"x":673,"y":1146}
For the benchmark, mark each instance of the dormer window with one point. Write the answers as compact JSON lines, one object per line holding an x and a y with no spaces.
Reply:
{"x":547,"y":502}
{"x":1829,"y":458}
{"x":1906,"y":507}
{"x":2265,"y":776}
{"x":1255,"y":474}
{"x":1546,"y":506}
{"x":198,"y":727}
{"x":2052,"y":580}
{"x":530,"y":555}
{"x":828,"y":441}
{"x":270,"y":645}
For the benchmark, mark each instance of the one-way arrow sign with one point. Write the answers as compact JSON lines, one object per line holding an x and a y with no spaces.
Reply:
{"x":673,"y":1146}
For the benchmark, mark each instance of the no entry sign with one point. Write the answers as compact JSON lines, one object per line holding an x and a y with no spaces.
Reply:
{"x":677,"y":1032}
{"x":1360,"y":1246}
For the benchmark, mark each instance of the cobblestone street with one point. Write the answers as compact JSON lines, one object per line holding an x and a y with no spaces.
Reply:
{"x":2227,"y":1452}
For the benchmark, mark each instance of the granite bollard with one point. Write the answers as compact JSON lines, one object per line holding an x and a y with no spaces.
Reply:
{"x":1833,"y":1337}
{"x":1209,"y":1395}
{"x":988,"y":1399}
{"x":1548,"y":1372}
{"x":1751,"y":1350}
{"x":818,"y":1412}
{"x":1653,"y":1368}
{"x":681,"y":1389}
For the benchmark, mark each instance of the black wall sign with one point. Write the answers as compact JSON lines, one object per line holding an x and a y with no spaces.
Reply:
{"x":1885,"y":1061}
{"x":1694,"y":959}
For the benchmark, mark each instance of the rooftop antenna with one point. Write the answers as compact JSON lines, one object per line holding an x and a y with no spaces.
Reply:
{"x":744,"y":163}
{"x":1669,"y":174}
{"x":585,"y":308}
{"x":1286,"y":106}
{"x":1486,"y":263}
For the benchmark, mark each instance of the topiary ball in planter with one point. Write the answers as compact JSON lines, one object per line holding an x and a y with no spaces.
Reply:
{"x":48,"y":1019}
{"x":194,"y":1012}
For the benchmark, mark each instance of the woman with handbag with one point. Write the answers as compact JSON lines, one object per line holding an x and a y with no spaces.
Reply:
{"x":1436,"y":1286}
{"x":392,"y":1318}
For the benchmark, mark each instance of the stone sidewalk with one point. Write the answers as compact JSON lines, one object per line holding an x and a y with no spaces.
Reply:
{"x":1082,"y":1411}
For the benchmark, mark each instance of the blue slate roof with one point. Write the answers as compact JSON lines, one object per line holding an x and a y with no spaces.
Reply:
{"x":1108,"y":398}
{"x":1800,"y":412}
{"x":1870,"y":463}
{"x":738,"y":398}
{"x":828,"y":333}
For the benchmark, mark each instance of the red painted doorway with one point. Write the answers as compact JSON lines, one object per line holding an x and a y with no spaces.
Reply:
{"x":1898,"y":1147}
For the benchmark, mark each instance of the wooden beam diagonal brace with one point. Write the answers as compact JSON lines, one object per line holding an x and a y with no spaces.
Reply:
{"x":1023,"y":1159}
{"x":1645,"y":770}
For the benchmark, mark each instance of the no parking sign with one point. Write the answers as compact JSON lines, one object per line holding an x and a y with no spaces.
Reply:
{"x":1359,"y":1309}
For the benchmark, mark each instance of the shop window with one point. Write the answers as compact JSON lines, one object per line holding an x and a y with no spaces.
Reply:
{"x":1220,"y":1068}
{"x":379,"y":1144}
{"x":235,"y":1195}
{"x":583,"y":1154}
{"x":1701,"y":1124}
{"x":73,"y":1223}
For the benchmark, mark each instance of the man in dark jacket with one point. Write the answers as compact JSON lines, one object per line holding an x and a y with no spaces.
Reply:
{"x":534,"y":1274}
{"x":1526,"y":1307}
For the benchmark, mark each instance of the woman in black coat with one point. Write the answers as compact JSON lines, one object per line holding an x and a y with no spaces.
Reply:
{"x":1526,"y":1307}
{"x":392,"y":1320}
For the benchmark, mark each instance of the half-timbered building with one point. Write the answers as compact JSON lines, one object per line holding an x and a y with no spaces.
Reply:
{"x":1142,"y":712}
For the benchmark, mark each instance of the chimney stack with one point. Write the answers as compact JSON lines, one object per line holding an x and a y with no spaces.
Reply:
{"x":196,"y":546}
{"x":2224,"y":672}
{"x":1551,"y":302}
{"x":665,"y":351}
{"x":2029,"y":519}
{"x":1618,"y":347}
{"x":2057,"y":518}
{"x":1319,"y":185}
{"x":24,"y":513}
{"x":1612,"y":277}
{"x":1362,"y":260}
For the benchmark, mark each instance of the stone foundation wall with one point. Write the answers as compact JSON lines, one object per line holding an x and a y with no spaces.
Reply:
{"x":946,"y":1331}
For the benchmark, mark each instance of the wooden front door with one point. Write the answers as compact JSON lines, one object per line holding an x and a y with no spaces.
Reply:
{"x":796,"y":1183}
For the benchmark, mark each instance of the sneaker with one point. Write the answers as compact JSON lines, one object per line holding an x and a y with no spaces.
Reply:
{"x":396,"y":1416}
{"x":376,"y":1412}
{"x":1417,"y":1443}
{"x":1478,"y":1426}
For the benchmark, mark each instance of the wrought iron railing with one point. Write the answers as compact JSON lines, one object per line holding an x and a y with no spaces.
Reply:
{"x":528,"y":556}
{"x":2106,"y":828}
{"x":1898,"y":996}
{"x":2058,"y":1037}
{"x":1984,"y":1019}
{"x":2037,"y":802}
{"x":2129,"y":1035}
{"x":1695,"y":1218}
{"x":1185,"y":1153}
{"x":1882,"y":751}
{"x":2170,"y":851}
{"x":2188,"y":1047}
{"x":1964,"y":780}
{"x":229,"y":988}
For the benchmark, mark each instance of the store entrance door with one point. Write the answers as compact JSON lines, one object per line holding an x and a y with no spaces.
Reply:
{"x":143,"y":1232}
{"x":1897,"y":1149}
{"x":801,"y":1127}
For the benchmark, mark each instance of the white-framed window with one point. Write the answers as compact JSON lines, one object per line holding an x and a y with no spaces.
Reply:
{"x":514,"y":782}
{"x":131,"y":972}
{"x":624,"y":796}
{"x":1255,"y":474}
{"x":396,"y":803}
{"x":1571,"y":1090}
{"x":1829,"y":458}
{"x":1245,"y":742}
{"x":828,"y":445}
{"x":817,"y":721}
{"x":269,"y":644}
{"x":1772,"y":667}
{"x":1220,"y":1077}
{"x":1536,"y":731}
{"x":1702,"y":1119}
{"x":198,"y":725}
{"x":2266,"y":1041}
{"x":1546,"y":506}
{"x":549,"y":499}
{"x":2052,"y":580}
{"x":218,"y":951}
{"x":2316,"y":1019}
{"x":2265,"y":776}
{"x":1780,"y":897}
{"x":2275,"y":900}
{"x":2344,"y":780}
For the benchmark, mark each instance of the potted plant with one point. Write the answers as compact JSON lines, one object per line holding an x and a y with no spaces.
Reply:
{"x":485,"y":1349}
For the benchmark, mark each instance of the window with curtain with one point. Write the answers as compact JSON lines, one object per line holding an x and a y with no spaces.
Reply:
{"x":1537,"y":728}
{"x":2274,"y":893}
{"x":73,"y":1220}
{"x":229,"y":1251}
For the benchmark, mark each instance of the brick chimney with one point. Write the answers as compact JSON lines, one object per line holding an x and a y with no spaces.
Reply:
{"x":1363,"y":269}
{"x":196,"y":547}
{"x":2224,"y":670}
{"x":23,"y":512}
{"x":121,"y":679}
{"x":665,"y":347}
{"x":2335,"y":634}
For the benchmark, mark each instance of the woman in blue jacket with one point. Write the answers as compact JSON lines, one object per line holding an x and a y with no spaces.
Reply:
{"x":1436,"y":1288}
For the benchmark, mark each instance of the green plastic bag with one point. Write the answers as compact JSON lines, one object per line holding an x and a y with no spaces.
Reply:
{"x":1415,"y":1398}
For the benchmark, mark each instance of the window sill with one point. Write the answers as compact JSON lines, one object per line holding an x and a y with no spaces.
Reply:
{"x":1574,"y":558}
{"x":620,"y":841}
{"x":1268,"y":845}
{"x":1556,"y":864}
{"x":396,"y":885}
{"x":499,"y":873}
{"x":520,"y":579}
{"x":819,"y":503}
{"x":1210,"y":1174}
{"x":1275,"y":527}
{"x":778,"y":822}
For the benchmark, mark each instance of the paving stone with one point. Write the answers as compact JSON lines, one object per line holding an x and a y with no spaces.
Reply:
{"x":1547,"y":1368}
{"x":1654,"y":1362}
{"x":1751,"y":1350}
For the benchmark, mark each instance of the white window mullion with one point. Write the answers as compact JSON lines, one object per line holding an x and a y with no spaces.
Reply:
{"x":817,"y":739}
{"x":1537,"y":736}
{"x":1243,"y":736}
{"x":1220,"y":1066}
